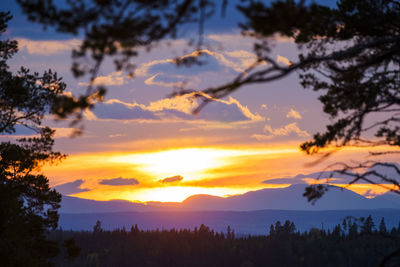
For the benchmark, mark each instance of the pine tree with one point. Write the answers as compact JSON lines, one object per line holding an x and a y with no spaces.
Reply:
{"x":271,"y":230}
{"x":353,"y":230}
{"x":28,"y":205}
{"x":368,"y":226}
{"x":382,"y":227}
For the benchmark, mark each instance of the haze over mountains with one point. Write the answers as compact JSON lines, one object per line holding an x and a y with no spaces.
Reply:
{"x":250,"y":213}
{"x":289,"y":198}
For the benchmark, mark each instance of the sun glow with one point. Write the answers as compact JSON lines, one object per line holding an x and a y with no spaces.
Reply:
{"x":368,"y":190}
{"x":218,"y":171}
{"x":191,"y":163}
{"x":180,"y":193}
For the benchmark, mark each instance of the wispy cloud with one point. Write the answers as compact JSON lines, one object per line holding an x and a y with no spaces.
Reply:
{"x":293,"y":114}
{"x":177,"y":108}
{"x":47,"y":48}
{"x":116,"y":135}
{"x":262,"y":137}
{"x":286,"y":130}
{"x":283,"y":60}
{"x":113,"y":79}
{"x":175,"y":81}
{"x":166,"y":73}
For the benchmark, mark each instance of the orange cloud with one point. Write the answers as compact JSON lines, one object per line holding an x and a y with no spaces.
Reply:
{"x":283,"y":60}
{"x":293,"y":114}
{"x":178,"y":108}
{"x":46,"y":48}
{"x":286,"y":130}
{"x":113,"y":79}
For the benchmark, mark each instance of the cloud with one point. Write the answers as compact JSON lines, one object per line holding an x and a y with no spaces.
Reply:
{"x":286,"y":130}
{"x":118,"y":110}
{"x":239,"y":38}
{"x":177,"y":108}
{"x":168,"y":67}
{"x":173,"y":179}
{"x":262,"y":137}
{"x":143,"y":70}
{"x":166,"y":73}
{"x":47,"y":48}
{"x":293,"y":114}
{"x":177,"y":81}
{"x":22,"y":131}
{"x":71,"y":187}
{"x":116,"y":135}
{"x":65,"y":132}
{"x":231,"y":41}
{"x":113,"y":79}
{"x":228,"y":111}
{"x":283,"y":60}
{"x":119,"y":181}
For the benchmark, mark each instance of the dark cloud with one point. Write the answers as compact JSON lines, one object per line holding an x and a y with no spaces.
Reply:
{"x":173,"y":179}
{"x":71,"y":187}
{"x":119,"y":181}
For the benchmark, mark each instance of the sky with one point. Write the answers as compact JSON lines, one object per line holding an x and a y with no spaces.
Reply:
{"x":142,"y":145}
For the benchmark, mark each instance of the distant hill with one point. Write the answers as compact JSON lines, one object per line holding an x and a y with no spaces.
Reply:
{"x":80,"y":205}
{"x":389,"y":197}
{"x":249,"y":213}
{"x":290,"y":198}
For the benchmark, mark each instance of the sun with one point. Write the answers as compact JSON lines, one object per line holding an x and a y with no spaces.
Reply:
{"x":191,"y":163}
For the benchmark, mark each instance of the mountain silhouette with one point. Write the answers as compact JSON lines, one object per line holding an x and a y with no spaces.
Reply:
{"x":289,"y":198}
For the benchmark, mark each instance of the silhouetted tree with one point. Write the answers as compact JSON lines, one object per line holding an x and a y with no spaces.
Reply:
{"x":337,"y":232}
{"x":97,"y":227}
{"x":344,"y":224}
{"x":368,"y":225}
{"x":73,"y":250}
{"x":353,"y":230}
{"x":271,"y":230}
{"x":382,"y":227}
{"x":28,"y":205}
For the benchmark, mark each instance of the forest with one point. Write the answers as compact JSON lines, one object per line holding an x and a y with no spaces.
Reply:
{"x":354,"y":242}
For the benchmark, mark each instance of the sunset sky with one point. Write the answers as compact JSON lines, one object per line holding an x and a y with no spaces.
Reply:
{"x":140,"y":145}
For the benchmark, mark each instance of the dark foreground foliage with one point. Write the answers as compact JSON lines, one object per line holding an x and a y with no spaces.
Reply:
{"x":352,"y":243}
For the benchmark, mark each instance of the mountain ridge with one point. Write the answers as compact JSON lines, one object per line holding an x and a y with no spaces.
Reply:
{"x":289,"y":198}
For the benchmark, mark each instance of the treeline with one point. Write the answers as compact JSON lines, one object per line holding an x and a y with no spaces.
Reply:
{"x":354,"y":242}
